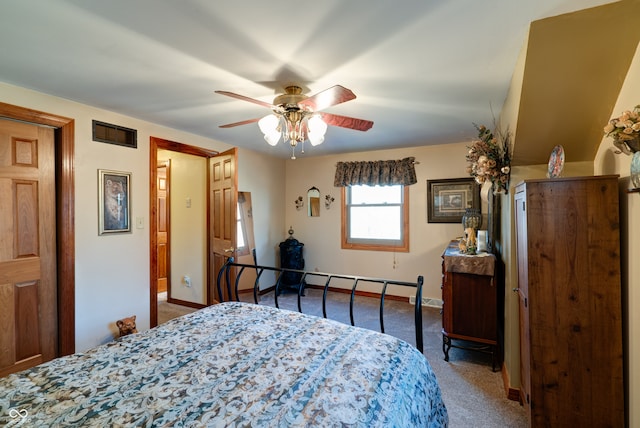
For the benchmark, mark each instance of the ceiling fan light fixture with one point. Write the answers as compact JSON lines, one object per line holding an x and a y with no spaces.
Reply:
{"x":272,"y":138}
{"x":295,"y":116}
{"x":316,"y":140}
{"x":269,"y":124}
{"x":270,"y":127}
{"x":316,"y":129}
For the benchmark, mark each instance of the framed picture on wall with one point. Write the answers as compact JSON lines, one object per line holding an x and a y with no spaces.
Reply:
{"x":114,"y":200}
{"x":448,"y":199}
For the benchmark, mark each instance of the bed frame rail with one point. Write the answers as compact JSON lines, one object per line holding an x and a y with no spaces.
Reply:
{"x":231,"y":288}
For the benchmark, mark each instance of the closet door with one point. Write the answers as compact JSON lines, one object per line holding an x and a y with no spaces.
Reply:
{"x":28,"y":286}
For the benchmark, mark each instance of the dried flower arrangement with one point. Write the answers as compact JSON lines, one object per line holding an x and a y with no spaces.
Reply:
{"x":625,"y":131}
{"x":489,"y":158}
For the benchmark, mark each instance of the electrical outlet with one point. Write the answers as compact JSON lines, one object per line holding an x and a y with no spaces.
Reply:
{"x":186,"y":280}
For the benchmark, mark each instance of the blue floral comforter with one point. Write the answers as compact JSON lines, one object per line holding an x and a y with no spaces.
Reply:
{"x":232,"y":364}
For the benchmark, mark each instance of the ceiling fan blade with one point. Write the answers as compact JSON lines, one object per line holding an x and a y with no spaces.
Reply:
{"x":346,"y":122}
{"x":329,"y":97}
{"x":243,"y":98}
{"x":244,"y":122}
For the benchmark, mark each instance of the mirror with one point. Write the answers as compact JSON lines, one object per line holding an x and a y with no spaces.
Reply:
{"x":245,"y":240}
{"x":313,"y":202}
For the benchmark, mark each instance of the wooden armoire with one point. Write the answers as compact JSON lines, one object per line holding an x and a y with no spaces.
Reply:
{"x":571,"y":356}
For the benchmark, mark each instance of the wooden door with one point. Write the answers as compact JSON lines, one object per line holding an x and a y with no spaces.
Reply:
{"x":28,"y":287}
{"x":223,"y":200}
{"x":523,"y":304}
{"x":162,"y":229}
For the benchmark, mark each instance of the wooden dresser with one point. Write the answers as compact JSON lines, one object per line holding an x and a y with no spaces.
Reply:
{"x":470,"y":295}
{"x":568,"y":246}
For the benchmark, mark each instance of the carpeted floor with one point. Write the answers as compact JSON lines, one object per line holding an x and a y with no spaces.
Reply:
{"x":473,"y":393}
{"x":167,"y":311}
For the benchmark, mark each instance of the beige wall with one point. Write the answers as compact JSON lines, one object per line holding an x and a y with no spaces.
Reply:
{"x":188,"y":225}
{"x":607,"y":162}
{"x":321,"y":235}
{"x":264,"y":177}
{"x":112,"y":272}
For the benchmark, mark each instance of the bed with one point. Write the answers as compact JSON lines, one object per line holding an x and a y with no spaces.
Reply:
{"x":232,"y":364}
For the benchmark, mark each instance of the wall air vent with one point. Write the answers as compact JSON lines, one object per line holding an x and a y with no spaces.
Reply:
{"x":114,"y":134}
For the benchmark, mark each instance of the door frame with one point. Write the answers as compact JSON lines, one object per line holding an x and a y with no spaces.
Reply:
{"x":156,"y":144}
{"x":65,"y":215}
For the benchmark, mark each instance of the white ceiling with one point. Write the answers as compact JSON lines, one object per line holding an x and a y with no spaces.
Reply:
{"x":423,"y":70}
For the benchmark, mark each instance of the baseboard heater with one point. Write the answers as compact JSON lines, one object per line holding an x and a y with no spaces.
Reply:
{"x":426,"y":301}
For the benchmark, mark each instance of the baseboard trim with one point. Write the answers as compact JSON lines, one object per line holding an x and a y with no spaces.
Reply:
{"x":185,"y":303}
{"x":512,"y":393}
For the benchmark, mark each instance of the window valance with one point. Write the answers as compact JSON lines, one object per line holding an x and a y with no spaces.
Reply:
{"x":372,"y":173}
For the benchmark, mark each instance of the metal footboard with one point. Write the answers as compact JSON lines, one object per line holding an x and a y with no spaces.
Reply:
{"x":224,"y":279}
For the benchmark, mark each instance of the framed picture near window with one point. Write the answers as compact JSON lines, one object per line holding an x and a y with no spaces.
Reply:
{"x":114,"y":200}
{"x":448,"y":199}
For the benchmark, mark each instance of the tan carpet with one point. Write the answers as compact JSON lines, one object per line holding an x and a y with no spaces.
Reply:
{"x":167,"y":311}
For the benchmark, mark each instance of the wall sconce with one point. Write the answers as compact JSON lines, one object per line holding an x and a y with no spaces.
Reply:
{"x":299,"y":202}
{"x":328,"y":200}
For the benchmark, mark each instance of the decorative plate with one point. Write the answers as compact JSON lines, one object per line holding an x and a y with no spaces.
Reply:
{"x":635,"y":170}
{"x":556,"y":162}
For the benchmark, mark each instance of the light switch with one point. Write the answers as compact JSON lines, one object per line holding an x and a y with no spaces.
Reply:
{"x":188,"y":202}
{"x":140,"y":222}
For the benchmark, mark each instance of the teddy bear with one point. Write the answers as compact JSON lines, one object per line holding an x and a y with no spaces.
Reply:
{"x":127,"y":325}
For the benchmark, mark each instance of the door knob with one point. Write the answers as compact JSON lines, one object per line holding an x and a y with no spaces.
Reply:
{"x":515,"y":290}
{"x":229,"y":250}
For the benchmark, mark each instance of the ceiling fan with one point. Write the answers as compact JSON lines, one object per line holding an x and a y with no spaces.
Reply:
{"x":298,"y":117}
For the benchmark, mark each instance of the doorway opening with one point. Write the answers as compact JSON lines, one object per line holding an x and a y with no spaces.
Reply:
{"x":183,"y":251}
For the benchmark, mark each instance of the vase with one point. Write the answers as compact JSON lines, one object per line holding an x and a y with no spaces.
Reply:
{"x":634,"y":144}
{"x":629,"y":146}
{"x":472,"y":218}
{"x":635,"y":170}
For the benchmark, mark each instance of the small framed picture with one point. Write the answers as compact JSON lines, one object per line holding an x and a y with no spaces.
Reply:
{"x":114,"y":200}
{"x":448,"y":199}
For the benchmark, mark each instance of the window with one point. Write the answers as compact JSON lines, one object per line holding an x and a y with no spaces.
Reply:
{"x":375,"y":218}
